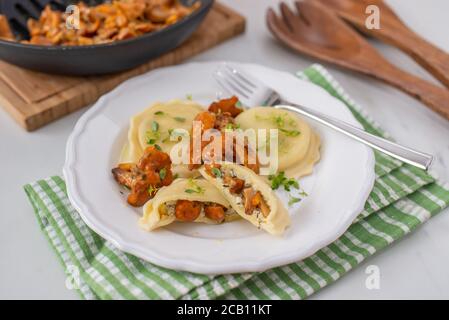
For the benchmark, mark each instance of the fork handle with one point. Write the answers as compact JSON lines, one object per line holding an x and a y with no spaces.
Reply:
{"x":407,"y":155}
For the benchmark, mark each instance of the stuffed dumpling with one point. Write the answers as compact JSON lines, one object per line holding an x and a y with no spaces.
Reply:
{"x":249,"y":195}
{"x":187,"y":200}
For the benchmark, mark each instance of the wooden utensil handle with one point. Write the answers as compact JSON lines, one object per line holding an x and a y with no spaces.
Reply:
{"x":431,"y":95}
{"x":430,"y":57}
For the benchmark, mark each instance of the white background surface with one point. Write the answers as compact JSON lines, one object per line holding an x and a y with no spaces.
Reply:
{"x":416,"y":267}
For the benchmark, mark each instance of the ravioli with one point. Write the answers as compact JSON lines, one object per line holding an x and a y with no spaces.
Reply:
{"x":160,"y":211}
{"x":249,"y":195}
{"x":298,"y":145}
{"x":154,"y":126}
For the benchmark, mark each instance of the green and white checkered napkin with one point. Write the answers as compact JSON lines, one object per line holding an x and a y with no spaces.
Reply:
{"x":402,"y":199}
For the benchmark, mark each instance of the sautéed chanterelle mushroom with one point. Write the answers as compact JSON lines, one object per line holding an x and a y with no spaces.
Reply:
{"x":107,"y":22}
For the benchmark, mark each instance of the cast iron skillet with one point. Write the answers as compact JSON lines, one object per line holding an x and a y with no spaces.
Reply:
{"x":94,"y":59}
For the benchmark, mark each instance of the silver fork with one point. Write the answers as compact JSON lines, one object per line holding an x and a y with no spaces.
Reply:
{"x":252,"y":92}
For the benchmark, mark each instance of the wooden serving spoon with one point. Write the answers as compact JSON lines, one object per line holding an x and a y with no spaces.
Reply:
{"x":318,"y":32}
{"x":393,"y":31}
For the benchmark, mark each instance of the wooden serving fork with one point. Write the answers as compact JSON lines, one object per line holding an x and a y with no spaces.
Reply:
{"x":317,"y":31}
{"x":393,"y":31}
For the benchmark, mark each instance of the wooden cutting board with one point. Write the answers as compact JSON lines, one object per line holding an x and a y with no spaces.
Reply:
{"x":34,"y":99}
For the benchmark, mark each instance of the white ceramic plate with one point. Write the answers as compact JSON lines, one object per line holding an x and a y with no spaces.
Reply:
{"x":337,"y":189}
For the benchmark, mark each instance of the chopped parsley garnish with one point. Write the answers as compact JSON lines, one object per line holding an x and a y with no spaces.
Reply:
{"x":216,"y":172}
{"x":232,"y":126}
{"x":279,"y":120}
{"x":290,"y":133}
{"x":152,"y":190}
{"x":194,"y":187}
{"x":158,"y":147}
{"x":159,"y":113}
{"x":291,"y":183}
{"x":162,"y":173}
{"x":189,"y":96}
{"x":152,"y":137}
{"x":179,"y":119}
{"x":154,"y":126}
{"x":176,"y":176}
{"x":280,"y":180}
{"x":303,"y":193}
{"x":292,"y":200}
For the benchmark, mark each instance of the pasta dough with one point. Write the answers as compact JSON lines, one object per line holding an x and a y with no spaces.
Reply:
{"x":298,"y":145}
{"x":275,"y":221}
{"x":169,"y":117}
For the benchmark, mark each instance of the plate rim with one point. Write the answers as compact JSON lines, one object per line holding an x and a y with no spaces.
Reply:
{"x":189,"y":265}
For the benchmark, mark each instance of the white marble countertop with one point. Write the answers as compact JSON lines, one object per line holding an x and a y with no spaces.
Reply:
{"x":415,"y":267}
